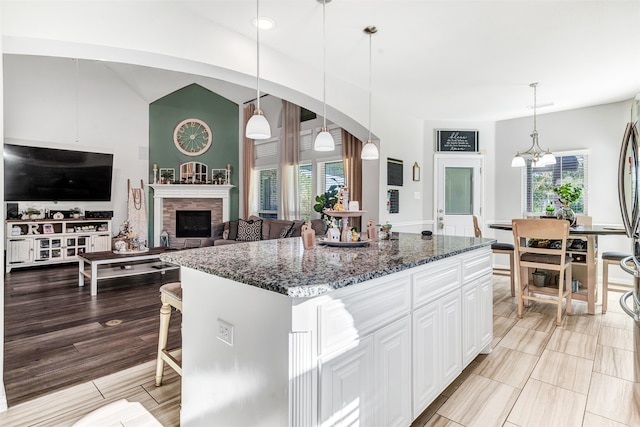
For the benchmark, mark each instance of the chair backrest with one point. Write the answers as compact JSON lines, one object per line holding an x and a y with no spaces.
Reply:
{"x":584,"y":220}
{"x":549,"y":237}
{"x":476,"y":228}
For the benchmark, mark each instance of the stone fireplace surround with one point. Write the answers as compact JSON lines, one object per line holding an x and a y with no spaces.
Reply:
{"x":168,"y":198}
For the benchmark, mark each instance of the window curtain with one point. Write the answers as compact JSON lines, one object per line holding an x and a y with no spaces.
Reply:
{"x":247,"y":165}
{"x":352,"y":163}
{"x":289,"y":161}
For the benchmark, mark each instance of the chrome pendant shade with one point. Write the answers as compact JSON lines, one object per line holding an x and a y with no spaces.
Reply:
{"x":369,"y":149}
{"x":324,"y":140}
{"x":539,"y":157}
{"x":258,"y":126}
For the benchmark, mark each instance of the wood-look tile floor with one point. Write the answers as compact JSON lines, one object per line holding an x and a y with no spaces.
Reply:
{"x":583,"y":373}
{"x":579,"y":374}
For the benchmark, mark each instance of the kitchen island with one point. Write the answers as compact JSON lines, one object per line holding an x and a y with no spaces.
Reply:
{"x":276,"y":335}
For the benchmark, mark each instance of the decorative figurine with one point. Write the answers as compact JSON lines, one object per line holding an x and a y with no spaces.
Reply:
{"x":372,"y":233}
{"x":308,"y":235}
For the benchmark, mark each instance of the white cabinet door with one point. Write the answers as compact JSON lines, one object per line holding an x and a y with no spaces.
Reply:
{"x":426,"y":355}
{"x":451,"y":339}
{"x":486,"y":312}
{"x":346,"y":387}
{"x":19,"y":251}
{"x":477,"y":317}
{"x":437,"y":349}
{"x":392,"y":348}
{"x":470,"y":326}
{"x":101,"y":243}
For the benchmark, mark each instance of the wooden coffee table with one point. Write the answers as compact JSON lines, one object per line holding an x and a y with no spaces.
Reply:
{"x":107,"y":265}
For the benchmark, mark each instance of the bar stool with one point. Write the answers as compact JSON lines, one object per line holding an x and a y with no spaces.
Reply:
{"x":171,"y":296}
{"x":499,"y":248}
{"x":611,"y":258}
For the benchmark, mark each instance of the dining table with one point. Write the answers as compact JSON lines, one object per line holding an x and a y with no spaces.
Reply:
{"x":584,"y":251}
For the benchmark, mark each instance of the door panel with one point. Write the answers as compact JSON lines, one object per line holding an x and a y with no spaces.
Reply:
{"x":459,"y":194}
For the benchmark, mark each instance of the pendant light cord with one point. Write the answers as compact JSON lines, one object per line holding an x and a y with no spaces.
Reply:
{"x":535,"y":105}
{"x":258,"y":53}
{"x":324,"y":65}
{"x":370,"y":78}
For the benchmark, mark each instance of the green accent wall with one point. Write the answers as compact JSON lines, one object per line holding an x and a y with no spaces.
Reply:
{"x":219,"y":113}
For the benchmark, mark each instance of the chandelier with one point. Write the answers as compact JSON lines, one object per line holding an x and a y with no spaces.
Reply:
{"x":538,"y":156}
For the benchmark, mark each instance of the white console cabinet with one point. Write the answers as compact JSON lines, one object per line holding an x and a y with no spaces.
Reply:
{"x":38,"y":242}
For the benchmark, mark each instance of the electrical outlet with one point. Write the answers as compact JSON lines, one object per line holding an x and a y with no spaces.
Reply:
{"x":225,"y":332}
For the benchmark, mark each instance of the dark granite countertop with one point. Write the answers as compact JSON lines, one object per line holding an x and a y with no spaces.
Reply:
{"x":284,"y":266}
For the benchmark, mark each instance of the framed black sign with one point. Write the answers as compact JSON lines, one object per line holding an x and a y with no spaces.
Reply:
{"x":465,"y":141}
{"x":394,"y":171}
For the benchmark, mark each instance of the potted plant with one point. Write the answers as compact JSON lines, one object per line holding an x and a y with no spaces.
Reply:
{"x":385,"y":231}
{"x":32,"y":213}
{"x":550,"y":209}
{"x":567,"y":194}
{"x":326,"y":201}
{"x":76,"y":212}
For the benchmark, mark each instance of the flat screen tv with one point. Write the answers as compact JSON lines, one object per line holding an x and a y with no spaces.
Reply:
{"x":48,"y":174}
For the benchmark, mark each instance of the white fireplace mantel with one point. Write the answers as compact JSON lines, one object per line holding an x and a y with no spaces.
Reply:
{"x":190,"y":191}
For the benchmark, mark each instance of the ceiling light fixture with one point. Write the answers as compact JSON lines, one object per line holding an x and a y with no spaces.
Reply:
{"x":538,"y":156}
{"x":258,"y":126}
{"x":324,"y":140}
{"x":369,"y":150}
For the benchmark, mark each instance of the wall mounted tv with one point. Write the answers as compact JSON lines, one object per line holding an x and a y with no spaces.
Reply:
{"x":48,"y":174}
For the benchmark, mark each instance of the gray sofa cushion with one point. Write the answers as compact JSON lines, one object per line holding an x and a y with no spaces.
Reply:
{"x":277,"y":227}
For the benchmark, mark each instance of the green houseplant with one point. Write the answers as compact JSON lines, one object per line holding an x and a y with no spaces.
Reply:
{"x":32,"y":212}
{"x":567,"y":194}
{"x":326,"y":201}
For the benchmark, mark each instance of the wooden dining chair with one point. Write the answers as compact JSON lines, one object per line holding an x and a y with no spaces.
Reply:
{"x":499,"y":248}
{"x":542,"y":244}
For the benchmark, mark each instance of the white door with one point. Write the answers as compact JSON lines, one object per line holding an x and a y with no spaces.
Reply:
{"x":459,"y":193}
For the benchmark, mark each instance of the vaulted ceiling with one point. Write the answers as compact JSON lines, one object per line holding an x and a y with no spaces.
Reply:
{"x":435,"y":60}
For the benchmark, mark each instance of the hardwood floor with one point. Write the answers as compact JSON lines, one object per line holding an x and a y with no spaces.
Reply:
{"x":579,"y":374}
{"x":57,"y":335}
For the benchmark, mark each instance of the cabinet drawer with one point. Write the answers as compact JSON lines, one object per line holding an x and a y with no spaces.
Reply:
{"x":433,"y":281}
{"x":476,"y":265}
{"x":353,"y":315}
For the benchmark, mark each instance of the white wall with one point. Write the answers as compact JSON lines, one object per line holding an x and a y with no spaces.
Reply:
{"x":41,"y":106}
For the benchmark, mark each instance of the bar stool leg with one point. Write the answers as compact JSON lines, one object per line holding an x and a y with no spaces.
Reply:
{"x":512,"y":274}
{"x":605,"y":285}
{"x":165,"y":316}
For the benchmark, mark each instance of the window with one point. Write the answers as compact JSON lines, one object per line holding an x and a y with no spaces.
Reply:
{"x":330,"y":173}
{"x":539,"y":182}
{"x":268,"y":193}
{"x":317,"y":172}
{"x":306,"y":195}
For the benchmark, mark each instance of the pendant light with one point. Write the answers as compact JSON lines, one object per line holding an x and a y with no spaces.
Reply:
{"x":369,"y":150}
{"x":538,"y":156}
{"x":258,"y":126}
{"x":324,"y":140}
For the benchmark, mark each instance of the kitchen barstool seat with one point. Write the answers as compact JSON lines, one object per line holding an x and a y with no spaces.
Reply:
{"x":171,"y":296}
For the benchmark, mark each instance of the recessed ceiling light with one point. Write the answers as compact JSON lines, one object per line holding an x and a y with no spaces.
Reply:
{"x":264,"y":22}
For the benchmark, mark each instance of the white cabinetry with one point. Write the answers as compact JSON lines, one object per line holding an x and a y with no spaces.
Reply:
{"x":54,"y":241}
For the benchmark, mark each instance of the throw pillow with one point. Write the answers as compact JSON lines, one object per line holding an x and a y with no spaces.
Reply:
{"x":232,"y":227}
{"x":249,"y":231}
{"x":276,"y":227}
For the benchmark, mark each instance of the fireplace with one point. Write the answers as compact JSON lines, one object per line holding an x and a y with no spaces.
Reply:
{"x":193,"y":223}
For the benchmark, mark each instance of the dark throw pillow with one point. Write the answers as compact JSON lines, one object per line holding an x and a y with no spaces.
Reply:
{"x":249,"y":231}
